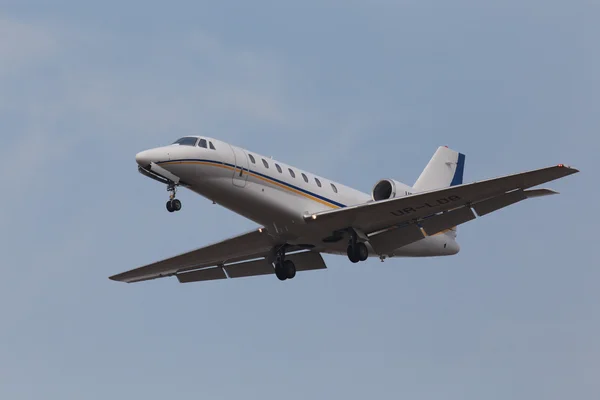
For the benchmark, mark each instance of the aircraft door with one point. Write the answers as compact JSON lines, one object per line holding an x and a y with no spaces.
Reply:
{"x":240,"y":172}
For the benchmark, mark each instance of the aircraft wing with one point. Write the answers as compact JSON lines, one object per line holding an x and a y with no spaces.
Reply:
{"x":454,"y":202}
{"x":229,"y":258}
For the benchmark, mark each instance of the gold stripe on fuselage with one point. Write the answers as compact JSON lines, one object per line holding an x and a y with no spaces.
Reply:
{"x":272,"y":182}
{"x":217,"y":164}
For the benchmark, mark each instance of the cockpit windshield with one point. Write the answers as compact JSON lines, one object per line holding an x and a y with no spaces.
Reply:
{"x":186,"y":141}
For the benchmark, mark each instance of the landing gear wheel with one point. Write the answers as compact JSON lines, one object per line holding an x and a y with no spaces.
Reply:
{"x":361,"y":251}
{"x":173,"y":204}
{"x":352,"y":254}
{"x":289,"y":268}
{"x":170,"y":206}
{"x":358,"y":252}
{"x":280,"y":272}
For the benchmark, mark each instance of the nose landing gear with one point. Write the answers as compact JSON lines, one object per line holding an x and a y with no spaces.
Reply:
{"x":173,"y":204}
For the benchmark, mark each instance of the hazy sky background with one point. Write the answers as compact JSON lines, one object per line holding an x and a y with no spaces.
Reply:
{"x":355,"y":91}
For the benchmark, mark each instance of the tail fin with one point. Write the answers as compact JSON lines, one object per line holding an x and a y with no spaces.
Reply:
{"x":445,"y":169}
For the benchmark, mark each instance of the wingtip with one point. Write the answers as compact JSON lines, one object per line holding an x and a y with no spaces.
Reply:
{"x":572,"y":169}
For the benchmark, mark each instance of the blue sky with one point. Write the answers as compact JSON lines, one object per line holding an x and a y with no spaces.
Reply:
{"x":355,"y":91}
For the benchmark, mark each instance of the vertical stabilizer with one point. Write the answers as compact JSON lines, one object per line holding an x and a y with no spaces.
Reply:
{"x":445,"y":169}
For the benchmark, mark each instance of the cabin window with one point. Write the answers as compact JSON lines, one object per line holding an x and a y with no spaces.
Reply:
{"x":186,"y":141}
{"x":202,"y":143}
{"x":333,"y":188}
{"x":318,"y":182}
{"x":265,"y":163}
{"x":251,"y":157}
{"x":305,"y":178}
{"x":212,"y":147}
{"x":292,"y":173}
{"x":278,"y":168}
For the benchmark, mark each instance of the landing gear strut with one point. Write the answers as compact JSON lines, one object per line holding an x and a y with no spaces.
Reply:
{"x":173,"y":204}
{"x":357,"y":251}
{"x":284,"y":269}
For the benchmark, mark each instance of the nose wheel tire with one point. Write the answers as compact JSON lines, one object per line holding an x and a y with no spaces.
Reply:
{"x":173,"y":205}
{"x":358,"y":252}
{"x":176,"y":204}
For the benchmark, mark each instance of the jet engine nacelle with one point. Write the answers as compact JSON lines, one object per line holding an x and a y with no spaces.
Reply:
{"x":388,"y":189}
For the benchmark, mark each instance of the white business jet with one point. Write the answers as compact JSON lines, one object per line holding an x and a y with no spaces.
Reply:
{"x":302,"y":215}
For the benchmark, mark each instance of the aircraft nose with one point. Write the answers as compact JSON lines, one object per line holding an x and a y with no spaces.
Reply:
{"x":144,"y":158}
{"x":157,"y":155}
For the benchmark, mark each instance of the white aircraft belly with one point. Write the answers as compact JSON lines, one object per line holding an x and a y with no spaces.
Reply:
{"x":257,"y":201}
{"x":278,"y":209}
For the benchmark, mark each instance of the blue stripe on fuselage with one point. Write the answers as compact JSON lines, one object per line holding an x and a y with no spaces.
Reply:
{"x":262,"y":175}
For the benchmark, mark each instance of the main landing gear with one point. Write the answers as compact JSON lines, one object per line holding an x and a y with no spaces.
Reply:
{"x":284,"y":269}
{"x":357,"y":251}
{"x":173,"y":204}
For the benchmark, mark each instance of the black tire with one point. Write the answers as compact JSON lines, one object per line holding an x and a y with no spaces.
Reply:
{"x":280,"y":272}
{"x":289,"y":268}
{"x":352,"y":255}
{"x":362,"y":251}
{"x":176,"y":204}
{"x":170,"y":206}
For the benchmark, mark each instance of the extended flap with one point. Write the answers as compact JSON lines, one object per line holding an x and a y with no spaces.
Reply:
{"x":447,"y":220}
{"x":208,"y":274}
{"x":250,"y":268}
{"x":307,"y":261}
{"x":496,"y":203}
{"x":388,"y":241}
